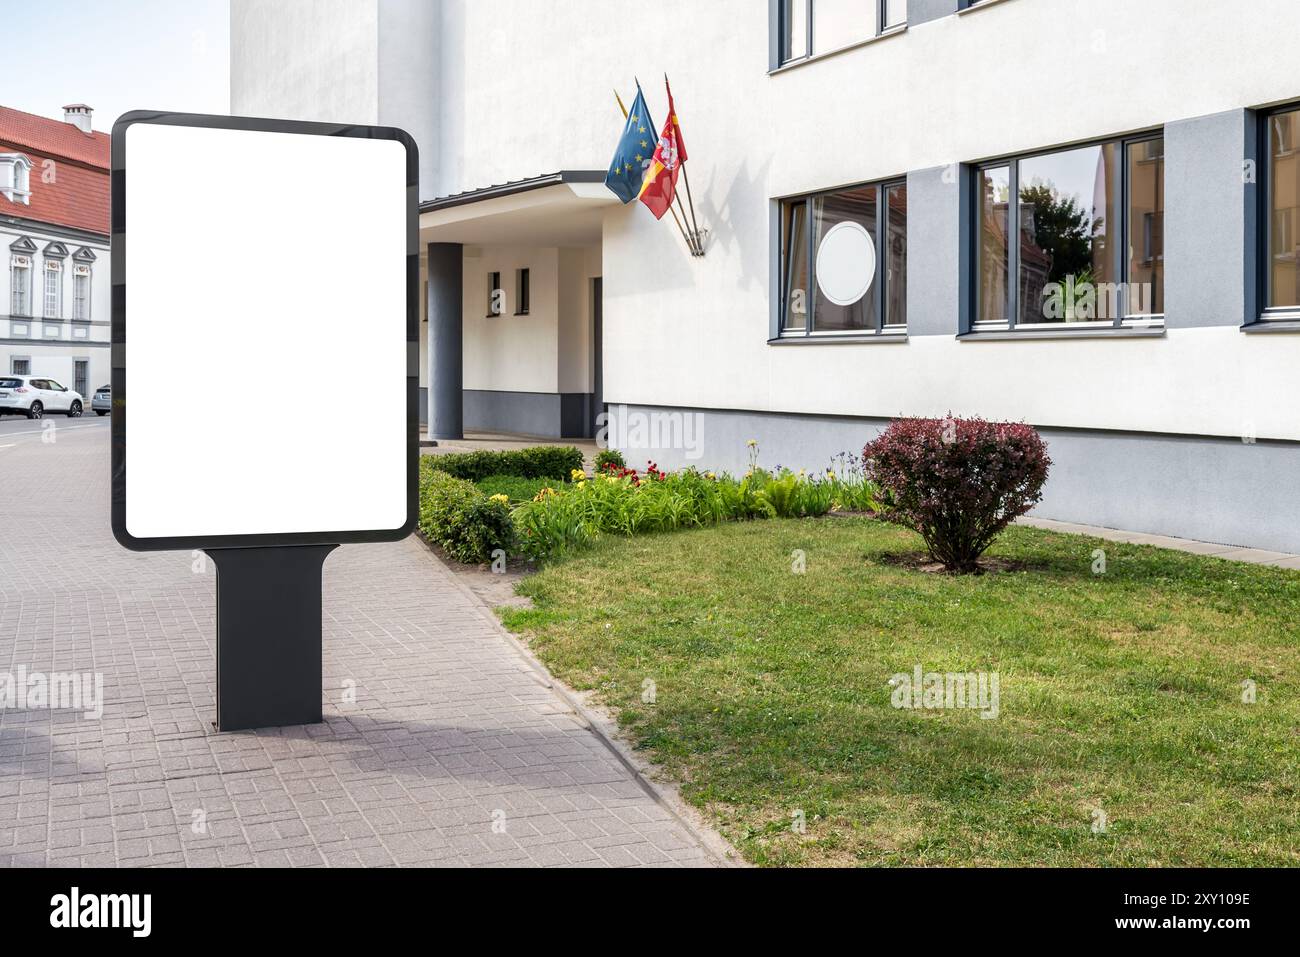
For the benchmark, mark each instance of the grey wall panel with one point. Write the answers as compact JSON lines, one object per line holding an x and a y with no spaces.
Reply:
{"x":934,"y":240}
{"x":1205,"y":220}
{"x":548,"y":414}
{"x":919,"y":11}
{"x":1215,"y":490}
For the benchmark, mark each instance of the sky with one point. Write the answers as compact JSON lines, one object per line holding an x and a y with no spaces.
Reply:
{"x":116,"y":56}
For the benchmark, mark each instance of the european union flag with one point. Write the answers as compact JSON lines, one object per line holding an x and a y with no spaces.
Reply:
{"x":635,"y":148}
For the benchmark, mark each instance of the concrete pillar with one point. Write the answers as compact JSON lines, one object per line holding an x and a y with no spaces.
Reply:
{"x":446,"y":341}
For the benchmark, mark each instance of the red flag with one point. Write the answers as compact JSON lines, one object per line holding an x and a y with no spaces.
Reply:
{"x":660,"y":183}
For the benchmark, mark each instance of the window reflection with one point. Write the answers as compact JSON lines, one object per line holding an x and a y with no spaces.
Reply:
{"x":895,"y":257}
{"x":995,"y":187}
{"x":1146,"y":227}
{"x":1068,"y":216}
{"x":1284,"y":188}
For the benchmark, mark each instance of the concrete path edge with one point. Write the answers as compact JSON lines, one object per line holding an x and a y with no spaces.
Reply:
{"x":601,"y":724}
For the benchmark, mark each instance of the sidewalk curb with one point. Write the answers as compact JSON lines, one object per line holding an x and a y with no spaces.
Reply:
{"x":602,"y":725}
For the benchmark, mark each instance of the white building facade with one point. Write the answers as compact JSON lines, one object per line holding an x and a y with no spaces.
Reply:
{"x":56,"y":285}
{"x":1139,"y":302}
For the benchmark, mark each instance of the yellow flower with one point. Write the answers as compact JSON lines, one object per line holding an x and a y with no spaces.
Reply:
{"x":577,"y":474}
{"x":582,"y":484}
{"x":503,"y":499}
{"x":710,"y":475}
{"x":544,"y":494}
{"x":752,"y":443}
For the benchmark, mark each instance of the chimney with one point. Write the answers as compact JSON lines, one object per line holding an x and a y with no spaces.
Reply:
{"x":78,"y":114}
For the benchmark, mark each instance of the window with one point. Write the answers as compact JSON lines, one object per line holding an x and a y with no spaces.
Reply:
{"x":20,"y":270}
{"x":844,"y":262}
{"x":521,"y":292}
{"x":812,"y":27}
{"x":1281,"y":218}
{"x":81,"y":376}
{"x":20,"y":365}
{"x":53,"y":289}
{"x":81,"y":291}
{"x":1084,"y":242}
{"x":15,"y":178}
{"x":496,"y":297}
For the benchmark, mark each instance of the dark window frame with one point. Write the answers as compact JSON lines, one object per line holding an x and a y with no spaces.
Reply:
{"x":784,"y":36}
{"x":494,"y":286}
{"x":879,"y":237}
{"x":973,"y":276}
{"x":85,"y":383}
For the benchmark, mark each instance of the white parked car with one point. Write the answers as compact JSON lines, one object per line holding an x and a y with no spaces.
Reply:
{"x":33,"y":396}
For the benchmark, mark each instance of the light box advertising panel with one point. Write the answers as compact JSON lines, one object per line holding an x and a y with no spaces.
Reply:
{"x":265,"y":332}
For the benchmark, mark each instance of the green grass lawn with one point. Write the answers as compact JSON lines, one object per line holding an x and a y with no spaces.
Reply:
{"x":515,"y":488}
{"x":1121,"y":693}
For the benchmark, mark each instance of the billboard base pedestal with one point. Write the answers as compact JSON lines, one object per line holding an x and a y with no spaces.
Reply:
{"x":268,"y":635}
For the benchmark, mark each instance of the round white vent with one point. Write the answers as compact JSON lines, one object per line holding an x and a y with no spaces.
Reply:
{"x":846,"y":263}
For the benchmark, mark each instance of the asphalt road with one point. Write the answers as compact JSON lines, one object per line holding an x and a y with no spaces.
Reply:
{"x":14,"y":428}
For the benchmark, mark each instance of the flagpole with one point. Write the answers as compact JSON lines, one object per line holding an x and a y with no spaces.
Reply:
{"x":695,"y":226}
{"x":689,"y":245}
{"x":695,"y":244}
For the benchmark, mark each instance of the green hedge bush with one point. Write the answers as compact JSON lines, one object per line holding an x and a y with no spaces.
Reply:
{"x":457,"y":515}
{"x":543,"y":461}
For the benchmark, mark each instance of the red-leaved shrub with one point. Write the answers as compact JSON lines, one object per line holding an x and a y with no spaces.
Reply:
{"x":958,"y":482}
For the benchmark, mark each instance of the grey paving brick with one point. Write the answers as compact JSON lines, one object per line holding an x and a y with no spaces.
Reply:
{"x":449,"y":724}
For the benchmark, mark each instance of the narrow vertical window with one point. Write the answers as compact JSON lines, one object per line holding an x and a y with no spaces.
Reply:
{"x":21,"y":286}
{"x":81,"y":376}
{"x":1284,"y":210}
{"x":81,"y":292}
{"x":895,"y":256}
{"x":521,"y":292}
{"x":994,"y":186}
{"x":1146,"y":228}
{"x":794,"y":30}
{"x":795,"y":261}
{"x":53,"y":289}
{"x":496,"y":296}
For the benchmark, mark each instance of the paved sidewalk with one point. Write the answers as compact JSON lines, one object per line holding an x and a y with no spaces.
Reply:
{"x":1235,"y":553}
{"x":453,"y":753}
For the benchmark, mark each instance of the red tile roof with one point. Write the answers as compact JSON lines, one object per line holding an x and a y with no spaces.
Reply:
{"x":53,"y":137}
{"x":79,"y":193}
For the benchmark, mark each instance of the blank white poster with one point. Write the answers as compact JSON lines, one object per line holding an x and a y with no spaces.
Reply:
{"x":266,"y":330}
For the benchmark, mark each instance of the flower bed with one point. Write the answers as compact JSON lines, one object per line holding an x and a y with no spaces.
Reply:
{"x":624,"y":501}
{"x":545,"y":518}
